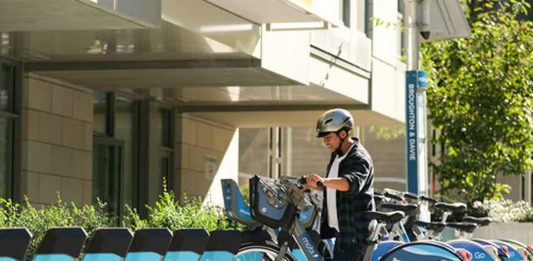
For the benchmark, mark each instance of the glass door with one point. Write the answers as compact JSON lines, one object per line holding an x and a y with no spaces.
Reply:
{"x":108,"y":173}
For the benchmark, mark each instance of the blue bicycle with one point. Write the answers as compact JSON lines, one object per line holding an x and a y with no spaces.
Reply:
{"x":284,"y":209}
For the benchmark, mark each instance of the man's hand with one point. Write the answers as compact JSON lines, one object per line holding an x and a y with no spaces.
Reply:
{"x":312,"y":180}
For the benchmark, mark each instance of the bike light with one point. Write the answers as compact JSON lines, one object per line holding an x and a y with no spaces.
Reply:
{"x":466,"y":255}
{"x":526,"y":253}
{"x":505,"y":250}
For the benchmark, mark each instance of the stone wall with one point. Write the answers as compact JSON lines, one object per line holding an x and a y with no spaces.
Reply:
{"x":208,"y":152}
{"x":56,"y":141}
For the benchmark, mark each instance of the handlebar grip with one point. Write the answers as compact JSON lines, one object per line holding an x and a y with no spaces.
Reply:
{"x":320,"y":184}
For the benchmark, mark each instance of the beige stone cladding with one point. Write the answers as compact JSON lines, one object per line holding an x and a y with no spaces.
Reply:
{"x":207,"y":153}
{"x":56,"y":141}
{"x":386,"y":145}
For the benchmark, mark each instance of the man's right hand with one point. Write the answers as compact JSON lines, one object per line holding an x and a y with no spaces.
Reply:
{"x":312,"y":180}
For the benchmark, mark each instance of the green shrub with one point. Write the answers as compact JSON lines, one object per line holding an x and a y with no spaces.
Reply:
{"x":172,"y":214}
{"x":38,"y":221}
{"x":167,"y":212}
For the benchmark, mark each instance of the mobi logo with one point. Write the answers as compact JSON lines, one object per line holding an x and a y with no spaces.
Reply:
{"x":479,"y":255}
{"x":309,"y":246}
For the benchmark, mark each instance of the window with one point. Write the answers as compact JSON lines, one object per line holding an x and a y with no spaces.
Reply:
{"x":107,"y":173}
{"x":123,"y":131}
{"x":166,"y":146}
{"x":115,"y":179}
{"x":345,"y":12}
{"x":101,"y":113}
{"x":7,"y":121}
{"x":6,"y":159}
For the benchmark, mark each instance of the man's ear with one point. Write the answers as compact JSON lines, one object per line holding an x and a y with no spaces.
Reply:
{"x":345,"y":134}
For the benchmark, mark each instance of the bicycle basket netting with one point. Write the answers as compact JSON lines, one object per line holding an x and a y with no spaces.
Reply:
{"x":275,"y":202}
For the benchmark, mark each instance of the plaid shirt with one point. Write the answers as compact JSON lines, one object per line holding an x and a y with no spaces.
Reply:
{"x":358,"y":169}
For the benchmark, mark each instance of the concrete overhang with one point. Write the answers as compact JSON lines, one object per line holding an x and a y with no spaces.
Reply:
{"x":298,"y":117}
{"x":160,"y":74}
{"x":58,"y":15}
{"x":283,"y":11}
{"x":443,"y":19}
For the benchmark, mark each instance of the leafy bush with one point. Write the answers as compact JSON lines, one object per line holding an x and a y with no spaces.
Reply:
{"x":505,"y":211}
{"x":172,"y":214}
{"x":38,"y":221}
{"x":167,"y":212}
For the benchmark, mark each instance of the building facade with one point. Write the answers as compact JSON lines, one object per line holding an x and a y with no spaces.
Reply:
{"x":109,"y":99}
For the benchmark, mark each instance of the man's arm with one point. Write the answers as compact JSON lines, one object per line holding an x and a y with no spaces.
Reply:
{"x":340,"y":184}
{"x":352,"y":181}
{"x":357,"y":174}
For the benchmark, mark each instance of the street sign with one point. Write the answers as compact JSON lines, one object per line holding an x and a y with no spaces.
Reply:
{"x":416,"y":83}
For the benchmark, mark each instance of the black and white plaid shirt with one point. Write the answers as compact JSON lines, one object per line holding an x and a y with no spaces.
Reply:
{"x":358,"y":169}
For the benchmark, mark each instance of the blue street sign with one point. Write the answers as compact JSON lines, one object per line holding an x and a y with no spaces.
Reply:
{"x":422,"y":80}
{"x":414,"y":81}
{"x":410,"y":131}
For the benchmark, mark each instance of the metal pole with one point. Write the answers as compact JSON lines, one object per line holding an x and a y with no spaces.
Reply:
{"x":415,"y":102}
{"x":412,"y":33}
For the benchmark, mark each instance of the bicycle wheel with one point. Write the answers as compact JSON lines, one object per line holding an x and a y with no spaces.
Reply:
{"x":260,"y":252}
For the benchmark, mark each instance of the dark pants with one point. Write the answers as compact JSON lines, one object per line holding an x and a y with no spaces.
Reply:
{"x":353,"y":253}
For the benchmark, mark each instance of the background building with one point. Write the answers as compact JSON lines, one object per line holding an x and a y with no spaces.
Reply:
{"x":106,"y":98}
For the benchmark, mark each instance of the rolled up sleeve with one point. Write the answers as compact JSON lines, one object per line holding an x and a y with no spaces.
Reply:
{"x":356,"y":172}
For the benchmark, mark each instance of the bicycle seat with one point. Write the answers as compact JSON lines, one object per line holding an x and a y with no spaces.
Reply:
{"x":479,"y":221}
{"x":378,"y":199}
{"x":463,"y":226}
{"x":407,"y":209}
{"x":451,"y":207}
{"x":410,"y":196}
{"x":386,"y":217}
{"x":435,"y":226}
{"x":393,"y":196}
{"x":428,"y":199}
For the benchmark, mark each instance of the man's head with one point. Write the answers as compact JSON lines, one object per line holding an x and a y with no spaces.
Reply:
{"x":334,"y":127}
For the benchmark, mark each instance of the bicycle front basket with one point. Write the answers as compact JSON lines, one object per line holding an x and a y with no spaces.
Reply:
{"x":269,"y":202}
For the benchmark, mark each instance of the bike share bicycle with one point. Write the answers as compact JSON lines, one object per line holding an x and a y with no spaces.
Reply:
{"x":283,"y":204}
{"x":480,"y":249}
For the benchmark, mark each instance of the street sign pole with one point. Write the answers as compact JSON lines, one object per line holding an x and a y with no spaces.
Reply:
{"x":415,"y":104}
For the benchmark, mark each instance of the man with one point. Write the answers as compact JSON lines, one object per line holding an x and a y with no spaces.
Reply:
{"x":348,"y":186}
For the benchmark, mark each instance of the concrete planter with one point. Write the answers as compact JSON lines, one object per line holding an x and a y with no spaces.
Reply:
{"x":522,"y":232}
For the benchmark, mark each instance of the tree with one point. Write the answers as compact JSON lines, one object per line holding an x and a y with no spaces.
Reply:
{"x":480,"y":96}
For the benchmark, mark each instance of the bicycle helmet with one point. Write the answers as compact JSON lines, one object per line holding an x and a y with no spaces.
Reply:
{"x":333,"y":121}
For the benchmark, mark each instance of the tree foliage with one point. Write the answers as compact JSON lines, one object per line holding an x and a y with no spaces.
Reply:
{"x":480,"y":96}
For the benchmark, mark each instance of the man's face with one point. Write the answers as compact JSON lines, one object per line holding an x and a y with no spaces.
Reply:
{"x":331,"y":141}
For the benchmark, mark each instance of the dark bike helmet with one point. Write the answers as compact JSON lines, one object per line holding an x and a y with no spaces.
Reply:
{"x":333,"y":121}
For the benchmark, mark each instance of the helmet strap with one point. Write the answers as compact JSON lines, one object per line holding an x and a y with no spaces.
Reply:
{"x":338,"y":151}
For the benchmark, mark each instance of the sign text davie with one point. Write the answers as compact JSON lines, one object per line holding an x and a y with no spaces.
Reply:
{"x":414,"y":81}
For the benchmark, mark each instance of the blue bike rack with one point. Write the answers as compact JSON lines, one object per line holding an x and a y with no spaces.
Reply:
{"x":61,"y":244}
{"x":187,"y":245}
{"x":149,"y":244}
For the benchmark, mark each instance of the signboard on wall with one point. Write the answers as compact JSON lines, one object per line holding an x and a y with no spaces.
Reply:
{"x":210,"y":166}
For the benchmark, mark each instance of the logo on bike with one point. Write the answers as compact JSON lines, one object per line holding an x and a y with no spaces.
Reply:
{"x":310,"y":247}
{"x":479,"y":255}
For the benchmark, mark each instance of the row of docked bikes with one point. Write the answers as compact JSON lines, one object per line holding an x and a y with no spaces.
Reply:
{"x":282,"y":217}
